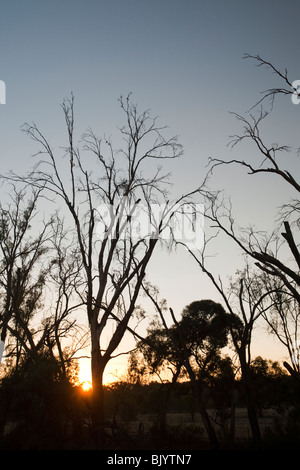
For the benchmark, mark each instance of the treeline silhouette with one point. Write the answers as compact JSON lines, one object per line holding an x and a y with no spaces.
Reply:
{"x":41,"y":409}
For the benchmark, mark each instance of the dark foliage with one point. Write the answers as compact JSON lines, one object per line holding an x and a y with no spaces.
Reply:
{"x":39,"y":408}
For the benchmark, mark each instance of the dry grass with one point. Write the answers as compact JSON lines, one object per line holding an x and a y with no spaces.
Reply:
{"x":145,"y":423}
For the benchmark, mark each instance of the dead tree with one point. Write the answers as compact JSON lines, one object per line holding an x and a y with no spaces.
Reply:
{"x":277,"y":253}
{"x":109,"y":201}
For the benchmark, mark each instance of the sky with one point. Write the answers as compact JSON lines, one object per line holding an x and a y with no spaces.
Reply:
{"x":183,"y":59}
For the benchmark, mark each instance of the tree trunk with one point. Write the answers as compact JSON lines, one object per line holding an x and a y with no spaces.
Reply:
{"x":234,"y":399}
{"x":252,"y":415}
{"x":97,"y":369}
{"x":213,"y":440}
{"x":165,"y":405}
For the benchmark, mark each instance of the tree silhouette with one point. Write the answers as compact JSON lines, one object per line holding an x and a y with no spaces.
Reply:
{"x":193,"y":343}
{"x":267,"y":251}
{"x":108,"y":201}
{"x":31,"y":266}
{"x":22,"y":276}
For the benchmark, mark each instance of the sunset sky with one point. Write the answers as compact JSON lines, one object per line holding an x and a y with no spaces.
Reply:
{"x":181,"y":58}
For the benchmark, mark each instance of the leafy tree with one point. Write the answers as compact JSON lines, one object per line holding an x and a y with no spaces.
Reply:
{"x":204,"y":326}
{"x":273,"y":387}
{"x":193,"y":343}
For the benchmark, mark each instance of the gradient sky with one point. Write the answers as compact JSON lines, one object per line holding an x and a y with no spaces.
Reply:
{"x":181,"y":58}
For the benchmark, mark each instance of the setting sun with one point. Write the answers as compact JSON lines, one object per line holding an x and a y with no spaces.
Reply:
{"x":113,"y":373}
{"x":86,"y":386}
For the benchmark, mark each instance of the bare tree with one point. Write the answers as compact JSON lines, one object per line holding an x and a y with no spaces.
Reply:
{"x":22,"y":276}
{"x":265,"y":249}
{"x":110,"y":201}
{"x":31,"y":267}
{"x":282,"y":319}
{"x":276,"y":253}
{"x":245,"y":302}
{"x":290,"y":88}
{"x":67,"y":336}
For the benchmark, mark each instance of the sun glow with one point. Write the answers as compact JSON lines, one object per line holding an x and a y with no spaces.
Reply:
{"x":84,"y":374}
{"x":112,"y":374}
{"x":86,"y":385}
